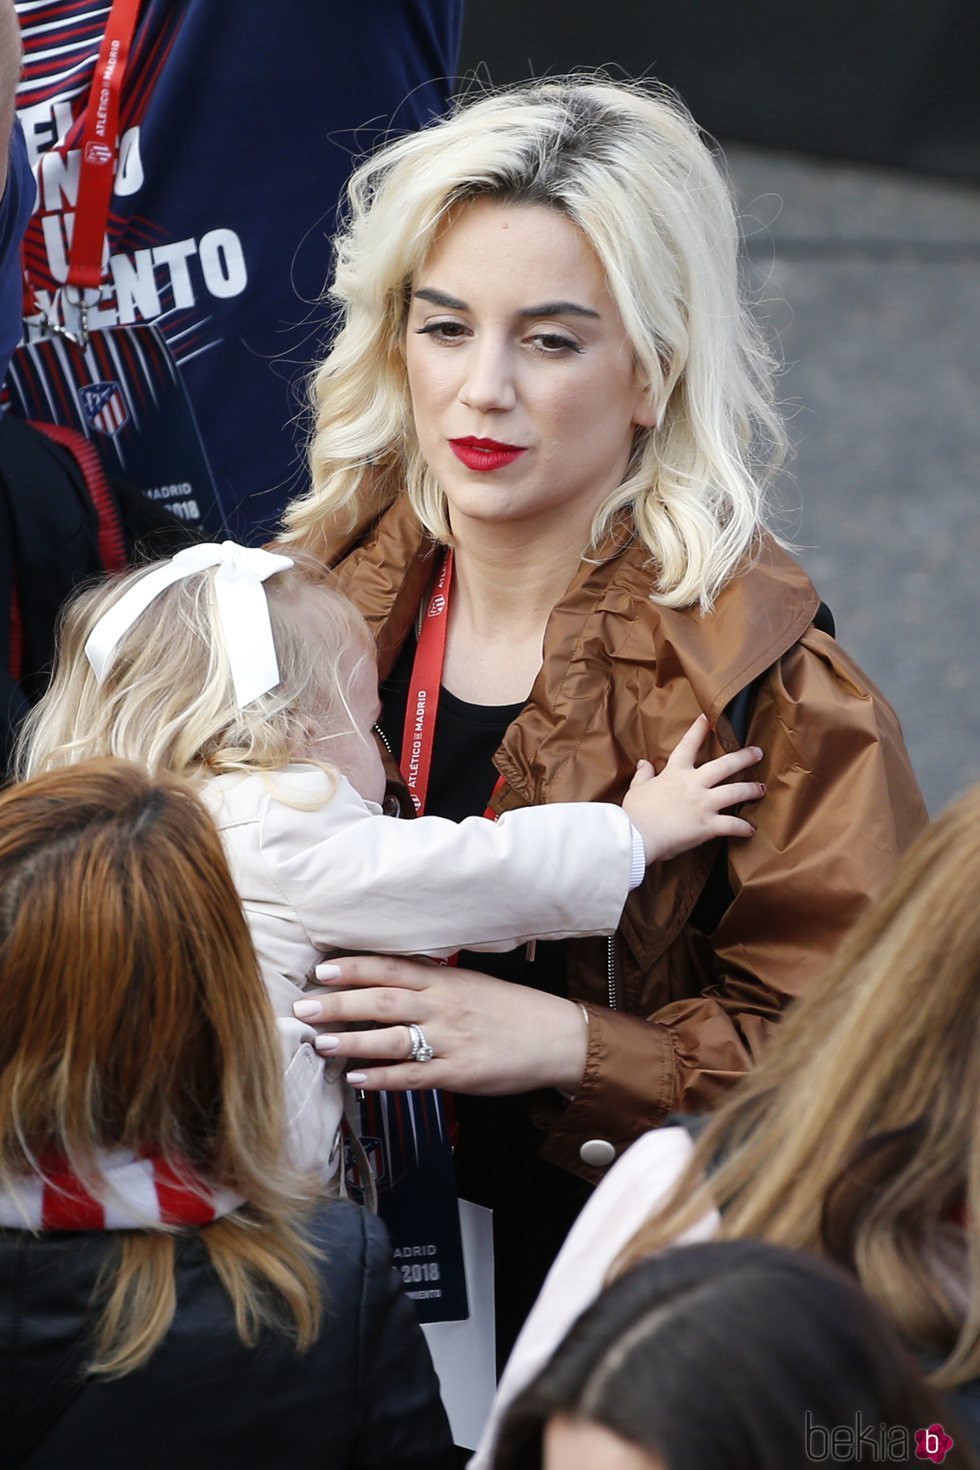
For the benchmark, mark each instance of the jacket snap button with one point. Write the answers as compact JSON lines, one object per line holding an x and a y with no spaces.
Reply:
{"x":598,"y":1152}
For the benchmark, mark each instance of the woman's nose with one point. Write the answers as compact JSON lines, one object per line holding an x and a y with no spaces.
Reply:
{"x":488,"y":381}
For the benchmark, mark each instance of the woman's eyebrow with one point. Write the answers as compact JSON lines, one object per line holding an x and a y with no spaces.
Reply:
{"x":440,"y":298}
{"x":558,"y":308}
{"x":548,"y":308}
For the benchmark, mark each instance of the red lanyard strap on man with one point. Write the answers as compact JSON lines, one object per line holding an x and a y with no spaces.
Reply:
{"x":100,"y":147}
{"x":98,"y":159}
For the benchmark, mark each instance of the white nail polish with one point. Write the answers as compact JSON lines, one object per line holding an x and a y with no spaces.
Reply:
{"x":327,"y":1043}
{"x":357,"y":1079}
{"x":306,"y":1010}
{"x":327,"y":971}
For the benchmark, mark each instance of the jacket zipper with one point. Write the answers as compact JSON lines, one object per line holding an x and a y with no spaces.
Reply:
{"x":612,"y":978}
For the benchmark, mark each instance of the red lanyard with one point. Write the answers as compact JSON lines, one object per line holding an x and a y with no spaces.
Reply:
{"x":424,"y":690}
{"x":99,"y":155}
{"x":100,"y":146}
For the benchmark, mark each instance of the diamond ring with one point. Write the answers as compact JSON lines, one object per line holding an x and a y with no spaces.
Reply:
{"x":421,"y":1050}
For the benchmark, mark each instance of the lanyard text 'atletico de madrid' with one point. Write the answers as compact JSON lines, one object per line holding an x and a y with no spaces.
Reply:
{"x":424,"y":690}
{"x":97,"y":163}
{"x":425,"y":686}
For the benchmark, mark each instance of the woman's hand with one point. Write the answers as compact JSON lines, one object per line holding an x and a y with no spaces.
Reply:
{"x":488,"y":1036}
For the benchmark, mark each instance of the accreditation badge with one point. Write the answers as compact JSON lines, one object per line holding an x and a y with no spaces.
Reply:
{"x":406,"y":1138}
{"x":123,"y":391}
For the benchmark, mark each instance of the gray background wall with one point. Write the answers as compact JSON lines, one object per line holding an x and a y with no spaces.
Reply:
{"x":868,"y":277}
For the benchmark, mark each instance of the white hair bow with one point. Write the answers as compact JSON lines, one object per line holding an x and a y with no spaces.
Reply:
{"x":243,"y":612}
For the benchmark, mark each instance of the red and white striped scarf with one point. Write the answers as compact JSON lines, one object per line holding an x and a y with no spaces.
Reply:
{"x":132,"y":1194}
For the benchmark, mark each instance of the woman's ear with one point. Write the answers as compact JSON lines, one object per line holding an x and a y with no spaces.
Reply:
{"x":646,"y":414}
{"x":651,"y":399}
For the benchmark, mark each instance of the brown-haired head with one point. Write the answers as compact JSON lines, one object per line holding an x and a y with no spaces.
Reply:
{"x":858,"y":1135}
{"x":132,"y":1015}
{"x":133,"y":1018}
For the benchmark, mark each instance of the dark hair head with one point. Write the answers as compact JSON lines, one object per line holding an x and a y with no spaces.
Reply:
{"x":726,"y":1357}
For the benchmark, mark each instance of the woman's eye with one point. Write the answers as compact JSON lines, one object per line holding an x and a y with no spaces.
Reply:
{"x":442,"y":331}
{"x":553,"y":343}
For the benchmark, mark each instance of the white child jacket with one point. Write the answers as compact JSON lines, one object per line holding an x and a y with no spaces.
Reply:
{"x":319,"y":870}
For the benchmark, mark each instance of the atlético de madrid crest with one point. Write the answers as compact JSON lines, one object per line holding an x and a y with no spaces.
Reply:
{"x":104,"y":406}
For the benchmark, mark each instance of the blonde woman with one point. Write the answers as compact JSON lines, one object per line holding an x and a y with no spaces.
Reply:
{"x":857,"y":1137}
{"x":168,"y":1292}
{"x":544,"y":364}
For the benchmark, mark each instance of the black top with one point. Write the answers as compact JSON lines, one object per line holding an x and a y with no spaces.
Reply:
{"x":364,"y":1397}
{"x":497,"y":1164}
{"x":461,"y":782}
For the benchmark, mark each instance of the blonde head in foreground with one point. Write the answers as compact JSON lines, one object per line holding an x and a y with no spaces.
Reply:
{"x":628,"y":166}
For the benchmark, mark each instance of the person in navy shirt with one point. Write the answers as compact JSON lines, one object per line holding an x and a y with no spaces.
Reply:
{"x":238,"y":128}
{"x":17,"y":190}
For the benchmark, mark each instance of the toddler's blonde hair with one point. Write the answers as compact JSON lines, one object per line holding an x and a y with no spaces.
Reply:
{"x":167,"y":701}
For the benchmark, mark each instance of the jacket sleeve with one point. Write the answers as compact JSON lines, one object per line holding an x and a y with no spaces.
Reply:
{"x":402,"y":1424}
{"x":359,"y":880}
{"x":841,"y":804}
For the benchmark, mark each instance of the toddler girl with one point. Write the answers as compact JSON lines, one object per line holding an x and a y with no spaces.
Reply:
{"x":248,"y":672}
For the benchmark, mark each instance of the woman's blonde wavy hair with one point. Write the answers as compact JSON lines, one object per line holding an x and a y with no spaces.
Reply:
{"x":858,"y":1135}
{"x":133,"y":1017}
{"x":628,"y":165}
{"x":168,"y":701}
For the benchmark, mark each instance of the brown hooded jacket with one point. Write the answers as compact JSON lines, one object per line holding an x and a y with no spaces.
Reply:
{"x":677,"y":1014}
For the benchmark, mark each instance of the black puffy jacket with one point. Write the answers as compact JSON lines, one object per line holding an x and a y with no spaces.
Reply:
{"x":365,"y":1395}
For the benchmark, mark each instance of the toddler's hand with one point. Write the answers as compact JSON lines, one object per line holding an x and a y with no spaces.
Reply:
{"x":684,"y":805}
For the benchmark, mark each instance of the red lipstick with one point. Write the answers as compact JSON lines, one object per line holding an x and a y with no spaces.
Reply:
{"x":485,"y":454}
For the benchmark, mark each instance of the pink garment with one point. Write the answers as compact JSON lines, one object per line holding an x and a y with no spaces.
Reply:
{"x":638,"y":1184}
